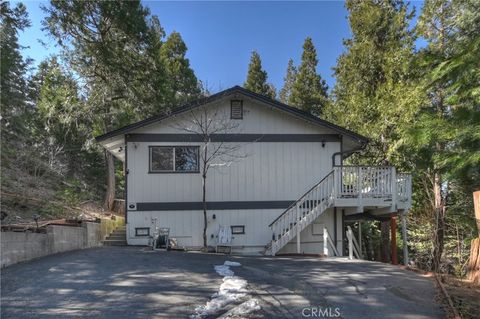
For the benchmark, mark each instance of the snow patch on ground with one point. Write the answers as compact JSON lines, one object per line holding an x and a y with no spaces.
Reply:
{"x":223,"y":270}
{"x":232,"y":290}
{"x":242,"y":310}
{"x":232,"y":263}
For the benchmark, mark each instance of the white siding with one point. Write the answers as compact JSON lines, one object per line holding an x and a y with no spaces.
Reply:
{"x":187,"y":226}
{"x":268,"y":171}
{"x":257,"y":119}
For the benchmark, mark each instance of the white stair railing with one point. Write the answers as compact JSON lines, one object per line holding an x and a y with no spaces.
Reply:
{"x":327,"y":241}
{"x":353,"y":247}
{"x":301,"y":214}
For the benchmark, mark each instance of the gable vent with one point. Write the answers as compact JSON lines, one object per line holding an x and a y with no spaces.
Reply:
{"x":236,"y":109}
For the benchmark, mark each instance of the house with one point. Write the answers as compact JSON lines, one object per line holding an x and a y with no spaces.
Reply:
{"x":278,"y":181}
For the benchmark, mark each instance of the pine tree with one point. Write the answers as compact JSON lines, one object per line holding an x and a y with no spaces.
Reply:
{"x":373,"y":74}
{"x":309,"y":91}
{"x":289,"y":80}
{"x":13,"y":69}
{"x":444,"y":140}
{"x":62,"y":120}
{"x":183,"y":84}
{"x":257,"y":77}
{"x":372,"y":78}
{"x":105,"y":44}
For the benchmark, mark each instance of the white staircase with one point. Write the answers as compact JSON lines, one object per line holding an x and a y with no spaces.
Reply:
{"x":375,"y":187}
{"x":301,"y":214}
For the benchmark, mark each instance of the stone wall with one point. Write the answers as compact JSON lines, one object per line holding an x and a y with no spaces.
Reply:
{"x":22,"y":246}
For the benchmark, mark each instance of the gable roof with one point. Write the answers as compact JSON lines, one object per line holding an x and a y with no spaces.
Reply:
{"x":233,"y":90}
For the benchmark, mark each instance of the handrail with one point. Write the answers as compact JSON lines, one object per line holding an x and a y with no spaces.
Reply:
{"x":364,"y":166}
{"x":353,"y":247}
{"x":300,"y":199}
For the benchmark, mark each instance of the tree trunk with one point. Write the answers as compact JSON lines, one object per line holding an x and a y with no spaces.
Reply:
{"x":439,"y":233}
{"x":110,"y":193}
{"x":204,"y":200}
{"x":385,"y":241}
{"x":204,"y":197}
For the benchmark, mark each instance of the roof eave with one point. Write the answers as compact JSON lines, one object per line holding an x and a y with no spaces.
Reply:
{"x":236,"y":89}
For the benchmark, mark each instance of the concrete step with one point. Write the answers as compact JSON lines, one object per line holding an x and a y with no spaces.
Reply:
{"x":111,"y":242}
{"x":119,"y":233}
{"x":117,"y":237}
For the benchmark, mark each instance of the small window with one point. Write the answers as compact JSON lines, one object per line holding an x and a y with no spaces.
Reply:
{"x":174,"y":159}
{"x":236,"y":109}
{"x":142,"y":231}
{"x":238,"y":230}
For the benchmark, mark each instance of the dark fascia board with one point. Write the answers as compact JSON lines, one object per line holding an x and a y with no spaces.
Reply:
{"x":236,"y":89}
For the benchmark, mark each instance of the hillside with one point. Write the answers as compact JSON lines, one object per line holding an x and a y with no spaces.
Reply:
{"x":30,"y":186}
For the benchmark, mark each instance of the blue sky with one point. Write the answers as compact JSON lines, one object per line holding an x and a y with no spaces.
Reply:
{"x":221,"y":35}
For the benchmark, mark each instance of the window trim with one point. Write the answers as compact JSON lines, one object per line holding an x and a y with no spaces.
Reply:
{"x":237,"y":233}
{"x":150,"y":171}
{"x":231,"y":110}
{"x":142,"y":228}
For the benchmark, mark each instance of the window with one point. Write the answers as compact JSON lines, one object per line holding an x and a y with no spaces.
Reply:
{"x":236,"y":109}
{"x":174,"y":159}
{"x":238,"y":230}
{"x":142,"y":231}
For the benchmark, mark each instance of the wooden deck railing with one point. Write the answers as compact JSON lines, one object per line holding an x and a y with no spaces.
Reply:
{"x":352,"y":186}
{"x":365,"y":181}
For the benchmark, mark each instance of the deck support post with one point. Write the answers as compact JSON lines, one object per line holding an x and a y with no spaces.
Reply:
{"x":393,"y":208}
{"x":350,"y":243}
{"x":298,"y":231}
{"x":403,"y":216}
{"x":359,"y":190}
{"x":360,"y":237}
{"x":325,"y":241}
{"x":393,"y":240}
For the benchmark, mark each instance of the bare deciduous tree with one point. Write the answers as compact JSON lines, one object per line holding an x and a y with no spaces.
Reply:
{"x":211,"y":122}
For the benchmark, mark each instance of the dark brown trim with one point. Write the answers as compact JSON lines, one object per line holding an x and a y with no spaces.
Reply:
{"x":231,"y":91}
{"x":268,"y":138}
{"x":171,"y":206}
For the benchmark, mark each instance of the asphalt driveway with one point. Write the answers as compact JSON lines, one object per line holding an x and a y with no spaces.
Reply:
{"x":132,"y":282}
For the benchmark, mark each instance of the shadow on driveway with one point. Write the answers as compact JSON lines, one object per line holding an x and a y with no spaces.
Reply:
{"x":132,"y":282}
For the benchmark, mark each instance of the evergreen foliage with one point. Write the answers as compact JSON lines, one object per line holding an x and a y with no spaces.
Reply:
{"x":419,"y":106}
{"x":288,"y":82}
{"x":309,"y":91}
{"x":13,"y":76}
{"x":257,"y":78}
{"x":182,"y":82}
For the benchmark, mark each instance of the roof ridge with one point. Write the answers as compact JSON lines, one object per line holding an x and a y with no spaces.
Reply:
{"x":205,"y":100}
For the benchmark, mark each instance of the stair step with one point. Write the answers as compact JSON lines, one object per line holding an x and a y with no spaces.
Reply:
{"x":109,"y":242}
{"x":117,"y":237}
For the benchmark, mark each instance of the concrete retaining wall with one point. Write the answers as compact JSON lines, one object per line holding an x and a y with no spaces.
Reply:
{"x":17,"y":247}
